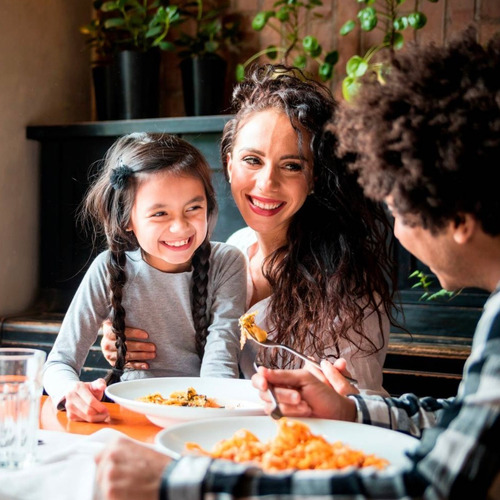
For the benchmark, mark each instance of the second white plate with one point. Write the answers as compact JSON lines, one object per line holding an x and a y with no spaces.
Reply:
{"x":385,"y":443}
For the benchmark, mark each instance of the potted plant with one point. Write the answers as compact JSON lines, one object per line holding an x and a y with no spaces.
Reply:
{"x":298,"y":47}
{"x":392,"y":19}
{"x":127,"y":37}
{"x":210,"y":31}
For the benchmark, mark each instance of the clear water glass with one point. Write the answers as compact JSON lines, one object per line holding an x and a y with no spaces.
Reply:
{"x":20,"y":392}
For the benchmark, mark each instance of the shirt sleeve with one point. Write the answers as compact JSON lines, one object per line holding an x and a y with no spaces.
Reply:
{"x":228,"y":299}
{"x":78,"y":332}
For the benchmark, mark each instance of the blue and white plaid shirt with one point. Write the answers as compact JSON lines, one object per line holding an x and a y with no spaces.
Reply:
{"x":458,"y":455}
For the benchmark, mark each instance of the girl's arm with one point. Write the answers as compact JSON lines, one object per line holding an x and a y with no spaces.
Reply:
{"x":75,"y":339}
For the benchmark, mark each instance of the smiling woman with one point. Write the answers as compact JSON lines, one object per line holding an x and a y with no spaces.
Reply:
{"x":315,"y":246}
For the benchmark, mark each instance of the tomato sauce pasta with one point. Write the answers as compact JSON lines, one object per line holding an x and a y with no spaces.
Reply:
{"x":294,"y":447}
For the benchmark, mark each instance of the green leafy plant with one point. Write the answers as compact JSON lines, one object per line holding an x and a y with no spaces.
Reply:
{"x":130,"y":25}
{"x":391,"y":18}
{"x":425,"y":282}
{"x":298,"y":48}
{"x":214,"y":29}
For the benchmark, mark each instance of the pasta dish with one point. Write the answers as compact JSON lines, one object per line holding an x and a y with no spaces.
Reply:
{"x":294,"y":447}
{"x":181,"y":398}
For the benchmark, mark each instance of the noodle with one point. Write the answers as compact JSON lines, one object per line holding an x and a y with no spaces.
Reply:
{"x":294,"y":447}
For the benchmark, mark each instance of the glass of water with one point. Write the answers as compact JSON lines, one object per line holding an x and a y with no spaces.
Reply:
{"x":20,"y":392}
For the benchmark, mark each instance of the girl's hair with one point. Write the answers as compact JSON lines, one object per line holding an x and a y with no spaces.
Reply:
{"x":335,"y":267}
{"x":108,"y":206}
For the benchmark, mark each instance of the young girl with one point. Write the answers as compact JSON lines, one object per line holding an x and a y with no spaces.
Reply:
{"x":156,"y":206}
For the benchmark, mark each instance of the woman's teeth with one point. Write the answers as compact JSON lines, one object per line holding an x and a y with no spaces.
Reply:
{"x":265,"y":206}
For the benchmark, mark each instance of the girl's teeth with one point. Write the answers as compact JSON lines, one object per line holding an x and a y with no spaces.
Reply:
{"x":177,"y":243}
{"x":265,"y":206}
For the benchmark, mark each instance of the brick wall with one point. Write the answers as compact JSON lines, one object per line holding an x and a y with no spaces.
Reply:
{"x":445,"y":19}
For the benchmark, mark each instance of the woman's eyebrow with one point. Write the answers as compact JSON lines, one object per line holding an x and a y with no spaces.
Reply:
{"x":294,"y":157}
{"x":284,"y":157}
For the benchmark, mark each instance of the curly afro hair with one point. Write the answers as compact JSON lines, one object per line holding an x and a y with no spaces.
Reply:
{"x":430,"y":135}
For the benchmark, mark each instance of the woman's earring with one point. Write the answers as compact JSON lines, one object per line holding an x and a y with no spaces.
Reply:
{"x":312,"y":191}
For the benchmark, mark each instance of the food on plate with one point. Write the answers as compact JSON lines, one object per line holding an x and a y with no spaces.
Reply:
{"x":182,"y":398}
{"x":249,"y":329}
{"x":294,"y":447}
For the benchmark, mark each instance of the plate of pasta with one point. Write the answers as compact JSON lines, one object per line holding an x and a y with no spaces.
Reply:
{"x":169,"y":400}
{"x":299,"y":444}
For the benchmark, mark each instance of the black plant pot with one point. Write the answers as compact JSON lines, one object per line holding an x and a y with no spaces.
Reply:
{"x":203,"y":83}
{"x":128,"y":87}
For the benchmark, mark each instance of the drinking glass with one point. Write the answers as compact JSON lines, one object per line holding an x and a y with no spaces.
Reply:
{"x":20,"y":391}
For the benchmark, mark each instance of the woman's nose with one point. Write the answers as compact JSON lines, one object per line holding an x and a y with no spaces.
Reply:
{"x":268,"y":178}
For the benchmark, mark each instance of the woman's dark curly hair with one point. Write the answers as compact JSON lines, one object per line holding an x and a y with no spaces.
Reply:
{"x":335,"y":265}
{"x":430,"y":136}
{"x":108,"y":206}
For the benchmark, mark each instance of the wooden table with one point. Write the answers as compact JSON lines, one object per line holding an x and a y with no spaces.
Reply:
{"x":132,"y":424}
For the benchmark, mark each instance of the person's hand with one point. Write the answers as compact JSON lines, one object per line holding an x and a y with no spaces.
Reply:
{"x":302,"y":394}
{"x":334,"y":375}
{"x":127,"y":469}
{"x":83,"y":402}
{"x":137,"y":352}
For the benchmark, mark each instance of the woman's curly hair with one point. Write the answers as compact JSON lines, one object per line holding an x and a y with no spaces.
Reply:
{"x":335,"y":265}
{"x":430,"y":136}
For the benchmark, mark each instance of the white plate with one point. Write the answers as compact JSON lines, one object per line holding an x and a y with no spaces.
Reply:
{"x":236,"y":395}
{"x":385,"y":443}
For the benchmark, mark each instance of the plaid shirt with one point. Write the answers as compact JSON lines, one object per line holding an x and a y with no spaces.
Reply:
{"x":458,"y":455}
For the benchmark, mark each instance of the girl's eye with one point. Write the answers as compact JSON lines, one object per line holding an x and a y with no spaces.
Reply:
{"x":194,"y":208}
{"x":159,"y":214}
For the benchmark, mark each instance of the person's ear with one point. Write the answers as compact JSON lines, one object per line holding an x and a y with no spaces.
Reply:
{"x":464,"y":228}
{"x":229,"y":167}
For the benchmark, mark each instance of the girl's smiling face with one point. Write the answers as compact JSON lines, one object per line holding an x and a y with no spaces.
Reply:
{"x":270,"y":176}
{"x":169,"y":219}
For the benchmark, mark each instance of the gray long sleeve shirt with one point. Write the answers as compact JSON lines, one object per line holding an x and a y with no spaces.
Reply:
{"x":159,"y":303}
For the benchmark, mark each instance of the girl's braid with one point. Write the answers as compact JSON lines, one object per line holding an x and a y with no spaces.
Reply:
{"x":117,"y":279}
{"x":201,"y":266}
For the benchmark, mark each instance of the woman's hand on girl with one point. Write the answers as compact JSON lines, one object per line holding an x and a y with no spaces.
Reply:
{"x":83,"y":402}
{"x":137,"y":351}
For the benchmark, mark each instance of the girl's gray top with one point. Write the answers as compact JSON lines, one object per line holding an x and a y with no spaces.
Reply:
{"x":159,"y":303}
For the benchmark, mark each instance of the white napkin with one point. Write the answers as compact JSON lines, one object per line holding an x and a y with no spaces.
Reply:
{"x":65,"y":468}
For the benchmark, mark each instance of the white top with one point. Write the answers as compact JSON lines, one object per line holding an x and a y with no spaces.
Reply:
{"x":366,"y":369}
{"x":160,"y":303}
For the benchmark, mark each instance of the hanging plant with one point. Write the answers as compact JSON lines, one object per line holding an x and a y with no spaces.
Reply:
{"x":391,"y":18}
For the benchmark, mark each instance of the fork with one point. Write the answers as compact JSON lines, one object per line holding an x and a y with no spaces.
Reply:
{"x":276,"y":412}
{"x":270,"y":343}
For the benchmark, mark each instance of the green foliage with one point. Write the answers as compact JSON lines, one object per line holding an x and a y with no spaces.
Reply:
{"x":214,"y":29}
{"x":391,"y":19}
{"x":297,"y":48}
{"x":424,"y":282}
{"x":130,"y":25}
